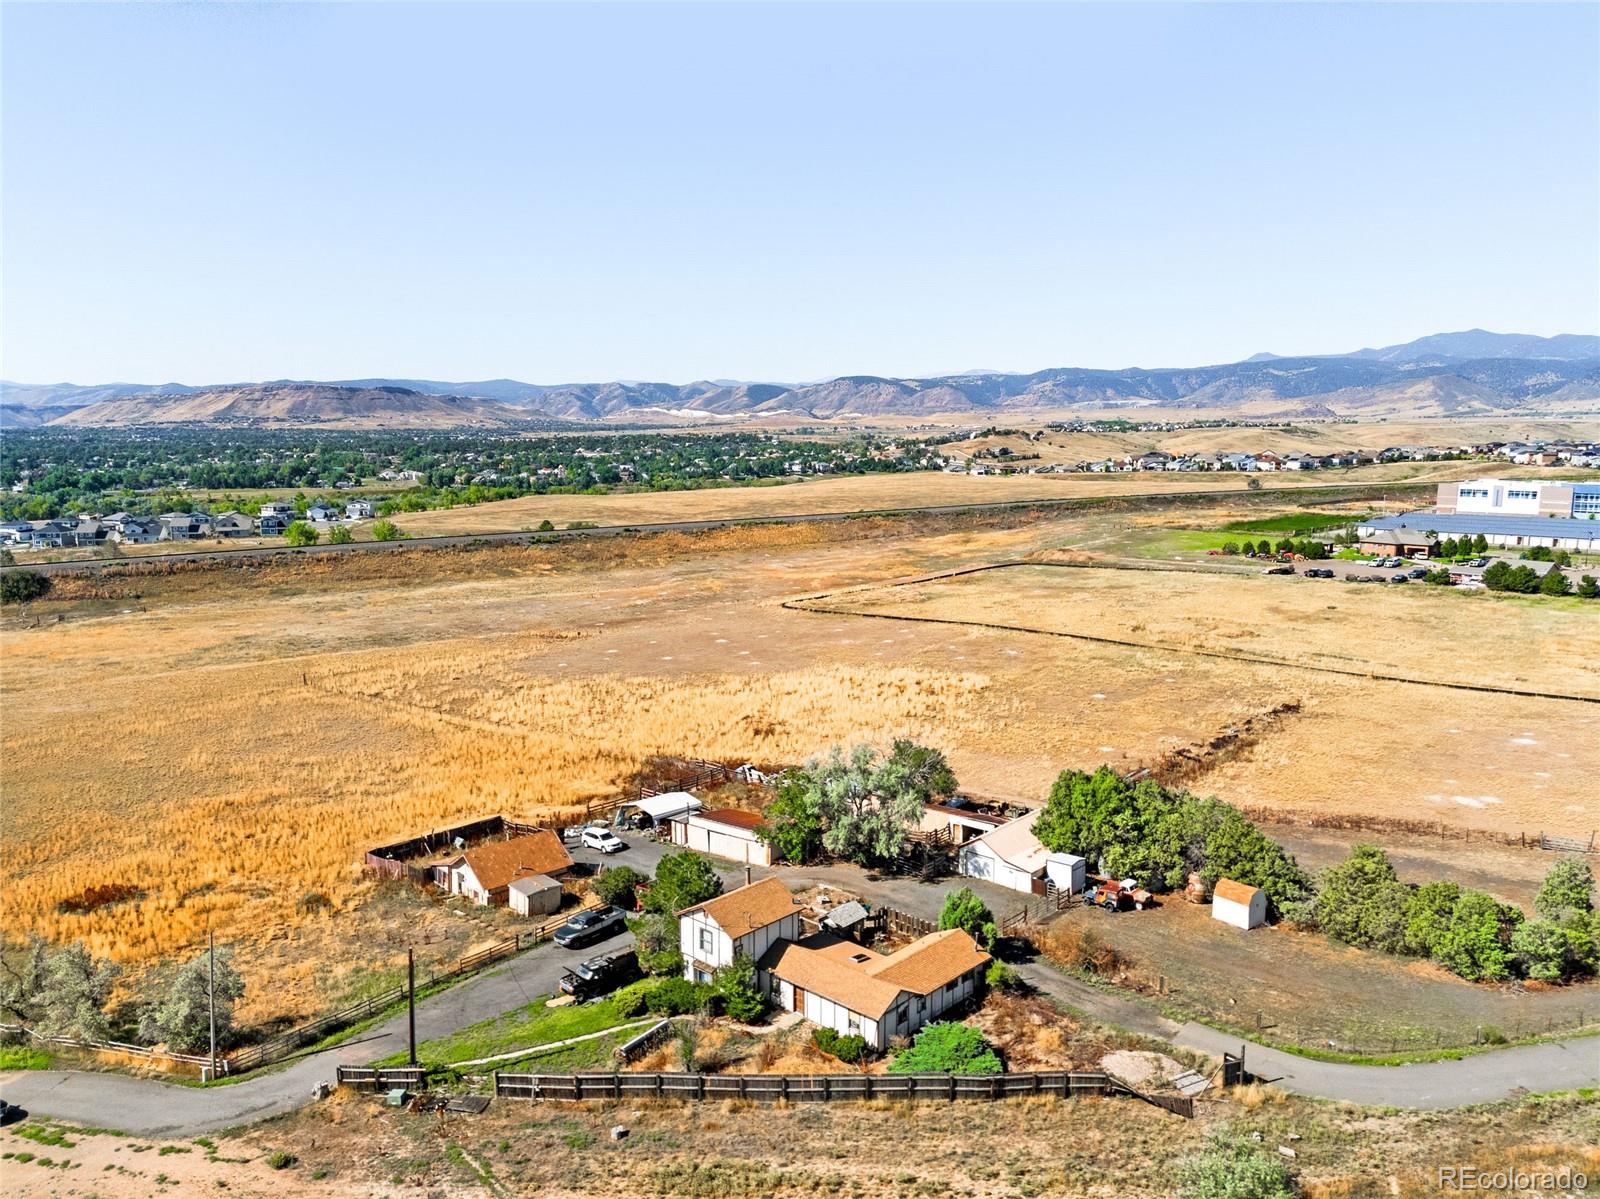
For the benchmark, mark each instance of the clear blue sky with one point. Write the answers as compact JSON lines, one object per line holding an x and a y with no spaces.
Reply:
{"x":209,"y":193}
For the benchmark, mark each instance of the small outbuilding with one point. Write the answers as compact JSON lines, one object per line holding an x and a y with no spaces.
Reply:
{"x":535,"y":895}
{"x":723,"y":833}
{"x":657,"y":810}
{"x":1236,"y":904}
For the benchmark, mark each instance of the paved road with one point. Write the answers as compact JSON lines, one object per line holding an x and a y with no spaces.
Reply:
{"x":225,"y":554}
{"x":150,"y":1108}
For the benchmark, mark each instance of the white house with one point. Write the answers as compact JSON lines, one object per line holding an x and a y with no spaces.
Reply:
{"x":534,"y":895}
{"x":1236,"y":904}
{"x":747,"y":921}
{"x":485,"y":874}
{"x":723,"y":833}
{"x":322,"y":514}
{"x":358,"y":510}
{"x":1011,"y":856}
{"x":841,"y":985}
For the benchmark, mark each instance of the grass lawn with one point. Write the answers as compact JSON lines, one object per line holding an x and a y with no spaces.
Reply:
{"x":23,"y":1057}
{"x":1294,"y":522}
{"x":536,"y":1024}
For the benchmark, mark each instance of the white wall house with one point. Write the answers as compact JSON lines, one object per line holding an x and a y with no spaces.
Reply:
{"x":856,"y":992}
{"x":723,"y":833}
{"x":747,"y":921}
{"x":1011,"y":856}
{"x":1236,"y":904}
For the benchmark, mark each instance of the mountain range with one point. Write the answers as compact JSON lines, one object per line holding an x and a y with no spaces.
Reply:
{"x":1469,"y":373}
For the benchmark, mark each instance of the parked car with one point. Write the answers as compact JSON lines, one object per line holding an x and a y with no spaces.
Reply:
{"x":602,"y":840}
{"x":600,"y":976}
{"x":1477,"y":562}
{"x":1116,"y":895}
{"x":1400,"y":579}
{"x":588,"y":927}
{"x":1278,"y":570}
{"x":1417,"y":572}
{"x":1319,"y":572}
{"x":1391,"y":563}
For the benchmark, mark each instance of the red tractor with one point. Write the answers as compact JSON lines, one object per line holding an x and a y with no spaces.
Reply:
{"x":1118,"y":895}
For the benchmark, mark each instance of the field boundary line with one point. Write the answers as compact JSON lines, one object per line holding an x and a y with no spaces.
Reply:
{"x":813,"y":604}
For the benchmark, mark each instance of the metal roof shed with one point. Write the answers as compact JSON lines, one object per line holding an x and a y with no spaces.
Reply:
{"x":666,"y":807}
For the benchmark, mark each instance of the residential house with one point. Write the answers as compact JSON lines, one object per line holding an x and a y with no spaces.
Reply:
{"x":838,"y":984}
{"x":184,"y":526}
{"x":134,"y":530}
{"x":15,"y":532}
{"x":233,"y":524}
{"x":746,"y":922}
{"x":86,"y":530}
{"x":322,"y":514}
{"x":358,"y":510}
{"x":485,"y":874}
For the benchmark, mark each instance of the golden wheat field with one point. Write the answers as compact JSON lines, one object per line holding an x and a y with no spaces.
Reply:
{"x":220,"y":746}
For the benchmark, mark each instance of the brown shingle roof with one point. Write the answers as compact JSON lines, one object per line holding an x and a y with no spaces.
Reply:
{"x":733,"y":816}
{"x":749,"y":908}
{"x":930,"y":962}
{"x":499,"y":862}
{"x":1226,"y":888}
{"x":868,"y":983}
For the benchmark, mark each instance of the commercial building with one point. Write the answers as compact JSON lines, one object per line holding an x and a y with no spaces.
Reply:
{"x":1507,"y":513}
{"x":1519,"y":497}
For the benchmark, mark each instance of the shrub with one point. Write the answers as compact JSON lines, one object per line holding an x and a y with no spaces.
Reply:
{"x":281,"y":1159}
{"x":1428,"y":915}
{"x":683,"y":879}
{"x":1230,"y":548}
{"x":825,"y":1039}
{"x":1363,"y":903}
{"x":1542,"y":950}
{"x":1230,"y":1169}
{"x":1476,"y":944}
{"x":964,"y":910}
{"x":1588,"y":587}
{"x":339,"y":535}
{"x":300,"y":533}
{"x":386,"y":530}
{"x":629,"y":1001}
{"x":850,"y":1048}
{"x":1001,"y":977}
{"x":658,"y":943}
{"x":1554,"y":582}
{"x":20,"y":586}
{"x":546,"y":526}
{"x":740,"y":990}
{"x":1567,"y":891}
{"x":618,"y":886}
{"x":676,"y":997}
{"x":946,"y":1048}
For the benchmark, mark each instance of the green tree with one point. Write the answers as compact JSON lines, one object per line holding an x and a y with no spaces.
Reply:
{"x":299,"y":533}
{"x":1362,"y":902}
{"x":1476,"y":944}
{"x":1567,"y":891}
{"x":1084,"y":813}
{"x":683,"y":879}
{"x":1589,"y":587}
{"x":1480,"y":544}
{"x":618,"y":886}
{"x":1235,"y":1169}
{"x":1555,"y":582}
{"x":1230,"y":547}
{"x":21,"y":586}
{"x":1428,"y":915}
{"x":182,"y":1018}
{"x":1235,"y":848}
{"x":946,"y":1048}
{"x":386,"y":530}
{"x":741,"y":990}
{"x":58,"y":992}
{"x":657,"y":943}
{"x":340,"y":535}
{"x":964,"y":910}
{"x":1448,"y":548}
{"x":868,"y":803}
{"x":546,"y":526}
{"x":792,"y":822}
{"x":1263,"y":546}
{"x":1543,"y":950}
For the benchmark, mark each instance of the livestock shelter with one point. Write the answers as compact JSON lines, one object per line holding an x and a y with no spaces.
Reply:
{"x":723,"y":833}
{"x":1236,"y":904}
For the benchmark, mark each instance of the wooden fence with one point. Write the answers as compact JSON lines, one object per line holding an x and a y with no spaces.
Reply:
{"x":636,"y":1046}
{"x":370,"y":1078}
{"x":143,"y":1052}
{"x":815,"y":1088}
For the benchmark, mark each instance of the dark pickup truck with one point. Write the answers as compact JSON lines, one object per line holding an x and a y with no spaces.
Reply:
{"x":588,"y":927}
{"x":600,"y":976}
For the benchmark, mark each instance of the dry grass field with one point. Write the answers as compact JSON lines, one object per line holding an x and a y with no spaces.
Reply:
{"x":220,"y":744}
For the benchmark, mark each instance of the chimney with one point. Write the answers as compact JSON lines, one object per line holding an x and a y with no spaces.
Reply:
{"x":747,"y":878}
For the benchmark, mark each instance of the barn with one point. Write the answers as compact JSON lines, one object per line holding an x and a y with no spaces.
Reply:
{"x":1236,"y":904}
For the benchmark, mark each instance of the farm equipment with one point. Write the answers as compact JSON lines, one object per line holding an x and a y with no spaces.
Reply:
{"x":1118,"y":895}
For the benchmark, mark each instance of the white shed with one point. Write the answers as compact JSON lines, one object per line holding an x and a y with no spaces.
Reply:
{"x":723,"y":833}
{"x":536,"y":895}
{"x":1012,"y":856}
{"x":1236,"y":904}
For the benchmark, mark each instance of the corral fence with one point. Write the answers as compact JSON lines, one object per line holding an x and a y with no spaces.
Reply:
{"x":1038,"y":910}
{"x":1566,"y":844}
{"x":822,"y":1088}
{"x":388,"y":1078}
{"x":662,"y":775}
{"x":390,"y":861}
{"x":143,"y":1052}
{"x":1419,"y":828}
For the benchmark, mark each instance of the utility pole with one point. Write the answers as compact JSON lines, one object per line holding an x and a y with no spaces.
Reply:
{"x":211,"y":993}
{"x":411,"y":1001}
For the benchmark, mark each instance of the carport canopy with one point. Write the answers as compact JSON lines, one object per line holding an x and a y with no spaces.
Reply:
{"x":668,"y":806}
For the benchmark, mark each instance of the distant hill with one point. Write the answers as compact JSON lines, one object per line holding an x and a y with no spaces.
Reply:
{"x":298,"y":405}
{"x":1469,"y":373}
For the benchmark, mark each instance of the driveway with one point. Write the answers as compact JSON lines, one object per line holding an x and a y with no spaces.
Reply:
{"x":151,"y":1108}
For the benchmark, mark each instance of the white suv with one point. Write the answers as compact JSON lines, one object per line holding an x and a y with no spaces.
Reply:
{"x":602,"y":840}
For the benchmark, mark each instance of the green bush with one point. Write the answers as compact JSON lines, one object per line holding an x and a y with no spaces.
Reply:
{"x":741,"y":991}
{"x":847,"y":1048}
{"x":946,"y":1048}
{"x":1476,"y":944}
{"x":964,"y":910}
{"x":339,"y":535}
{"x":629,"y":1001}
{"x":1001,"y":977}
{"x":280,"y":1159}
{"x":825,"y":1039}
{"x":386,"y":530}
{"x":20,"y":586}
{"x":1230,"y":1169}
{"x":676,"y":997}
{"x":299,"y":533}
{"x":1363,"y":903}
{"x":617,"y":886}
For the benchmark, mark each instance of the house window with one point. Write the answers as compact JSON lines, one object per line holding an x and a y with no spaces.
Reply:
{"x":707,"y":941}
{"x":950,"y":987}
